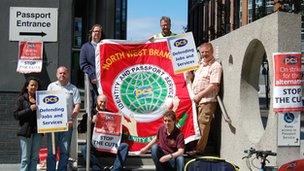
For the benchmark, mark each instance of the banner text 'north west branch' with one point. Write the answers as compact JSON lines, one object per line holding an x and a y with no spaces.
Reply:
{"x":134,"y":53}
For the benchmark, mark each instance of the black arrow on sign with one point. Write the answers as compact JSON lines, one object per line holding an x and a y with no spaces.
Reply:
{"x":32,"y":34}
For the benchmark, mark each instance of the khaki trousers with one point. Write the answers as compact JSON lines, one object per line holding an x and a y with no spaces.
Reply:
{"x":205,"y":115}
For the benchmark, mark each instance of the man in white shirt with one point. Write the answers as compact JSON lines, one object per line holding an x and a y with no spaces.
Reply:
{"x":63,"y":139}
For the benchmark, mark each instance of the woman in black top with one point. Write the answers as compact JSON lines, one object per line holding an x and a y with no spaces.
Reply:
{"x":25,"y":113}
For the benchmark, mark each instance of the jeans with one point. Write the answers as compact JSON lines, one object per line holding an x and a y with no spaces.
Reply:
{"x":63,"y":141}
{"x":122,"y":153}
{"x":29,"y":152}
{"x":173,"y":164}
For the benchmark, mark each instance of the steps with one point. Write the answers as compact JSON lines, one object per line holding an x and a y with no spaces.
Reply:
{"x":133,"y":163}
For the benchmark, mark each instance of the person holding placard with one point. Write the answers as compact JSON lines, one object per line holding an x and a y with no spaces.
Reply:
{"x":63,"y":139}
{"x":122,"y":151}
{"x":25,"y":113}
{"x":206,"y":84}
{"x":165,"y":25}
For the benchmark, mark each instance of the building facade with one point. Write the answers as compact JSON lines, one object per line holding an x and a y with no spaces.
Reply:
{"x":111,"y":15}
{"x":75,"y":17}
{"x":210,"y":19}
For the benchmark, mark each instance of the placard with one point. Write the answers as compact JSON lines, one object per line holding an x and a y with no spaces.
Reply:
{"x":287,"y":91}
{"x":30,"y":56}
{"x":52,"y":111}
{"x":183,"y":51}
{"x":107,"y":132}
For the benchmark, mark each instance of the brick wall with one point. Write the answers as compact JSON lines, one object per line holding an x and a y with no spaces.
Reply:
{"x":9,"y":144}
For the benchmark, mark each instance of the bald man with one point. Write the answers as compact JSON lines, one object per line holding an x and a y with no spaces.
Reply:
{"x":122,"y":151}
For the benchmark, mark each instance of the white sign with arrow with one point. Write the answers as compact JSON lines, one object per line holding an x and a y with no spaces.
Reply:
{"x":27,"y":23}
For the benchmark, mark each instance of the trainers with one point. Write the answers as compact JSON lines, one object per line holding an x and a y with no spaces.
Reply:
{"x":108,"y":168}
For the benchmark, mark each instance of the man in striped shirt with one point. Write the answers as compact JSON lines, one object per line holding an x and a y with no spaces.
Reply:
{"x":205,"y":88}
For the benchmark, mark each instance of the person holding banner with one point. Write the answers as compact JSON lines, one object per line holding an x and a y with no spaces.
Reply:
{"x":25,"y":113}
{"x":165,"y":25}
{"x":122,"y":151}
{"x":63,"y":139}
{"x":87,"y":58}
{"x":167,"y":148}
{"x":207,"y":79}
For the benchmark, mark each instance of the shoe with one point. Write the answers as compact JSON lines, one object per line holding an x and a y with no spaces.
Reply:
{"x":108,"y":168}
{"x":192,"y":153}
{"x":199,"y":153}
{"x":73,"y":164}
{"x":41,"y":166}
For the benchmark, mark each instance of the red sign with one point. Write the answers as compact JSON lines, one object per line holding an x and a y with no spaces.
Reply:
{"x":288,"y":82}
{"x":139,"y":80}
{"x":30,"y":50}
{"x":30,"y":57}
{"x":107,"y":132}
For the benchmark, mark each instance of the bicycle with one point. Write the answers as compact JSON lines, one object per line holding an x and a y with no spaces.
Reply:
{"x":259,"y":154}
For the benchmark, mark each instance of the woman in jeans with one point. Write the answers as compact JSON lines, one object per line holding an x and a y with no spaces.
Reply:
{"x":25,"y":113}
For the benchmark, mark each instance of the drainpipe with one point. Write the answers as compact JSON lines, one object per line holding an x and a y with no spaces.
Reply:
{"x":244,"y":12}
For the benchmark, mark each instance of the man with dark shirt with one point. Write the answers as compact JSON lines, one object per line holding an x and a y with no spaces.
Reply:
{"x":87,"y":58}
{"x":168,"y":145}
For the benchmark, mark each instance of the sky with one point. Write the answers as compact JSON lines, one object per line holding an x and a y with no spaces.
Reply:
{"x":144,"y":15}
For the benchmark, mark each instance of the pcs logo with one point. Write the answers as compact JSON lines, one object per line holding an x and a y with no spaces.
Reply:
{"x":50,"y":99}
{"x":180,"y":42}
{"x":290,"y":60}
{"x":143,"y":91}
{"x":31,"y":45}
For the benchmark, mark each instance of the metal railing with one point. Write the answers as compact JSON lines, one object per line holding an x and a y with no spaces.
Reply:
{"x":87,"y":106}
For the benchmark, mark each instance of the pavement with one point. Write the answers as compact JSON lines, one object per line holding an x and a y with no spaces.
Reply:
{"x":9,"y":167}
{"x":14,"y":167}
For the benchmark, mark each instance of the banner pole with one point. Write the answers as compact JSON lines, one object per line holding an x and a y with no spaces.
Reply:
{"x":53,"y":143}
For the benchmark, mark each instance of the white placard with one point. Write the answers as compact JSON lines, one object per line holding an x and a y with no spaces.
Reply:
{"x":183,"y":52}
{"x":27,"y":23}
{"x":52,"y":111}
{"x":289,"y":129}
